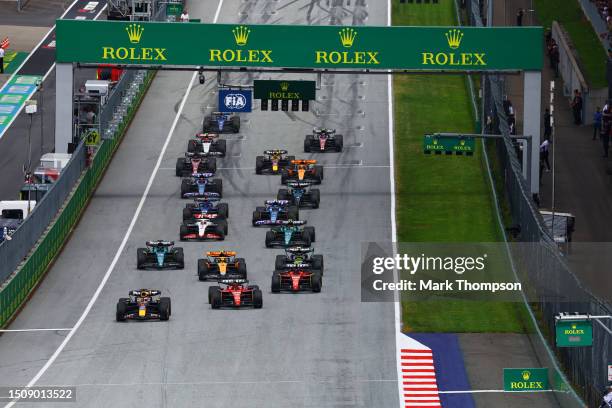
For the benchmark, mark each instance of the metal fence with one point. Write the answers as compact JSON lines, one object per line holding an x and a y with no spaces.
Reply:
{"x":23,"y":239}
{"x":553,"y":288}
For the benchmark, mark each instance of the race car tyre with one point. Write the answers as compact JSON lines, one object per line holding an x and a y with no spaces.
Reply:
{"x":180,"y":165}
{"x":339,"y":143}
{"x":141,"y":258}
{"x":242,"y":268}
{"x":211,"y":166}
{"x":121,"y":310}
{"x":257,"y":299}
{"x":222,"y":147}
{"x":183,"y":230}
{"x":269,"y":239}
{"x":317,"y":263}
{"x":222,"y":226}
{"x":202,"y":269}
{"x":276,"y":283}
{"x":211,"y":291}
{"x":219,"y":186}
{"x":290,"y":159}
{"x":284,"y":176}
{"x":307,"y":143}
{"x":180,"y":258}
{"x":259,"y":164}
{"x":318,"y":172}
{"x":283,"y":194}
{"x":307,"y":241}
{"x":215,"y":299}
{"x":317,"y":282}
{"x":209,"y":125}
{"x":187,"y":214}
{"x":293,"y":213}
{"x":310,"y":231}
{"x":164,"y":308}
{"x":223,"y":210}
{"x":280,"y":262}
{"x":315,"y":196}
{"x":256,"y":217}
{"x":185,"y":187}
{"x":254,"y":287}
{"x":235,"y":122}
{"x":192,"y":146}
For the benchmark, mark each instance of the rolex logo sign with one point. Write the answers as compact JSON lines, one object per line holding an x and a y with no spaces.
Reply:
{"x":133,"y":52}
{"x":241,"y":36}
{"x":454,"y":40}
{"x":526,"y":375}
{"x":348,"y":39}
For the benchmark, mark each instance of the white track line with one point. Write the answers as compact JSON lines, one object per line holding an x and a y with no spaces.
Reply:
{"x":110,"y":269}
{"x":200,"y":383}
{"x":34,"y":330}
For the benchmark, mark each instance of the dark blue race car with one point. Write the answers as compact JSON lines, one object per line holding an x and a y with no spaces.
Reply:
{"x":219,"y":122}
{"x":201,"y":185}
{"x":206,"y":207}
{"x":160,"y":255}
{"x":300,"y":194}
{"x":275,"y":212}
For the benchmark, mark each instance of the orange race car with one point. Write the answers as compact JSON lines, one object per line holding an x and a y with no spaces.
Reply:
{"x":303,"y":170}
{"x":221,"y":265}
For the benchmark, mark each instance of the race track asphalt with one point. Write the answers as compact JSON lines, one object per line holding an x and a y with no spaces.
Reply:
{"x":304,"y":350}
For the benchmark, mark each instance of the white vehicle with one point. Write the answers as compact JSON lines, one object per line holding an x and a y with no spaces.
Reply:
{"x":54,"y":160}
{"x":16,"y":209}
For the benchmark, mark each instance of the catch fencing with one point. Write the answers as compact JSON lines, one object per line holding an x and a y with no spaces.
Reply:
{"x":542,"y":268}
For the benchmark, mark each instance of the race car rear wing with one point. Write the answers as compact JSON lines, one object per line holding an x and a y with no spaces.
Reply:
{"x":200,"y":175}
{"x":196,"y":155}
{"x":206,"y":194}
{"x":277,"y":202}
{"x":206,"y":135}
{"x":291,"y":222}
{"x":160,"y":243}
{"x":299,"y":184}
{"x":299,"y":250}
{"x":233,"y":281}
{"x":303,"y":162}
{"x":206,"y":199}
{"x":215,"y":254}
{"x":321,"y":130}
{"x":274,"y":152}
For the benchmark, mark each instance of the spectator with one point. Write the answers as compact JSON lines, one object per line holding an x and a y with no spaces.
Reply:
{"x":184,"y":16}
{"x":547,"y":124}
{"x":576,"y":105}
{"x":597,"y":116}
{"x":554,"y":58}
{"x":1,"y":60}
{"x":519,"y":17}
{"x":606,"y":125}
{"x":607,"y":398}
{"x":544,"y":147}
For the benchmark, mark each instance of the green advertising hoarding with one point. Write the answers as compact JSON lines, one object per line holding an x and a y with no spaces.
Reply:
{"x":295,"y":46}
{"x":449,"y":145}
{"x":289,"y":90}
{"x":525,"y":379}
{"x":574,"y":333}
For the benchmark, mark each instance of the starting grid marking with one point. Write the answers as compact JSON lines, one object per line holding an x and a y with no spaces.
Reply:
{"x":419,"y":384}
{"x":34,"y":330}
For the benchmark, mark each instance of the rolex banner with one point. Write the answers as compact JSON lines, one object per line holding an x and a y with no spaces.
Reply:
{"x":212,"y":45}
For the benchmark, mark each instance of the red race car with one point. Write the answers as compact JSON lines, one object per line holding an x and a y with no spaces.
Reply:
{"x":235,"y":293}
{"x":296,"y":280}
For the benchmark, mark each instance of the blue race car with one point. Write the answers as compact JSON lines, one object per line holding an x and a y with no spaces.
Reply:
{"x":274,"y":213}
{"x":300,"y":194}
{"x":160,"y":255}
{"x":219,"y":122}
{"x":201,"y":185}
{"x":206,"y":207}
{"x":289,"y":234}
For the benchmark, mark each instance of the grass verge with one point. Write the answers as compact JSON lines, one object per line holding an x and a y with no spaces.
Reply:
{"x":442,"y":198}
{"x":590,"y":51}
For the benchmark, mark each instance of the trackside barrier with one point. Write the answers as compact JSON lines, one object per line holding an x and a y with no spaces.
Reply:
{"x":17,"y":288}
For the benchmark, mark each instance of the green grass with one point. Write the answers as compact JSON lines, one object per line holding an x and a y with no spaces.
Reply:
{"x":442,"y":198}
{"x":590,"y":51}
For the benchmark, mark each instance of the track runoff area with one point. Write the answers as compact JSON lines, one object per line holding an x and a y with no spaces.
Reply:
{"x":319,"y":345}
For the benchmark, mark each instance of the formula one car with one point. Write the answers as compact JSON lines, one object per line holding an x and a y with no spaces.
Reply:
{"x":272,"y":162}
{"x":206,"y":144}
{"x":296,"y":280}
{"x":201,"y":185}
{"x":300,"y":194}
{"x":144,"y":304}
{"x":221,"y":265}
{"x":290,"y":233}
{"x":195,"y":163}
{"x":219,"y":122}
{"x":301,"y":258}
{"x":203,"y":230}
{"x":235,"y":293}
{"x":206,"y":207}
{"x":323,"y":140}
{"x":160,"y":255}
{"x":274,"y":213}
{"x":303,"y":170}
